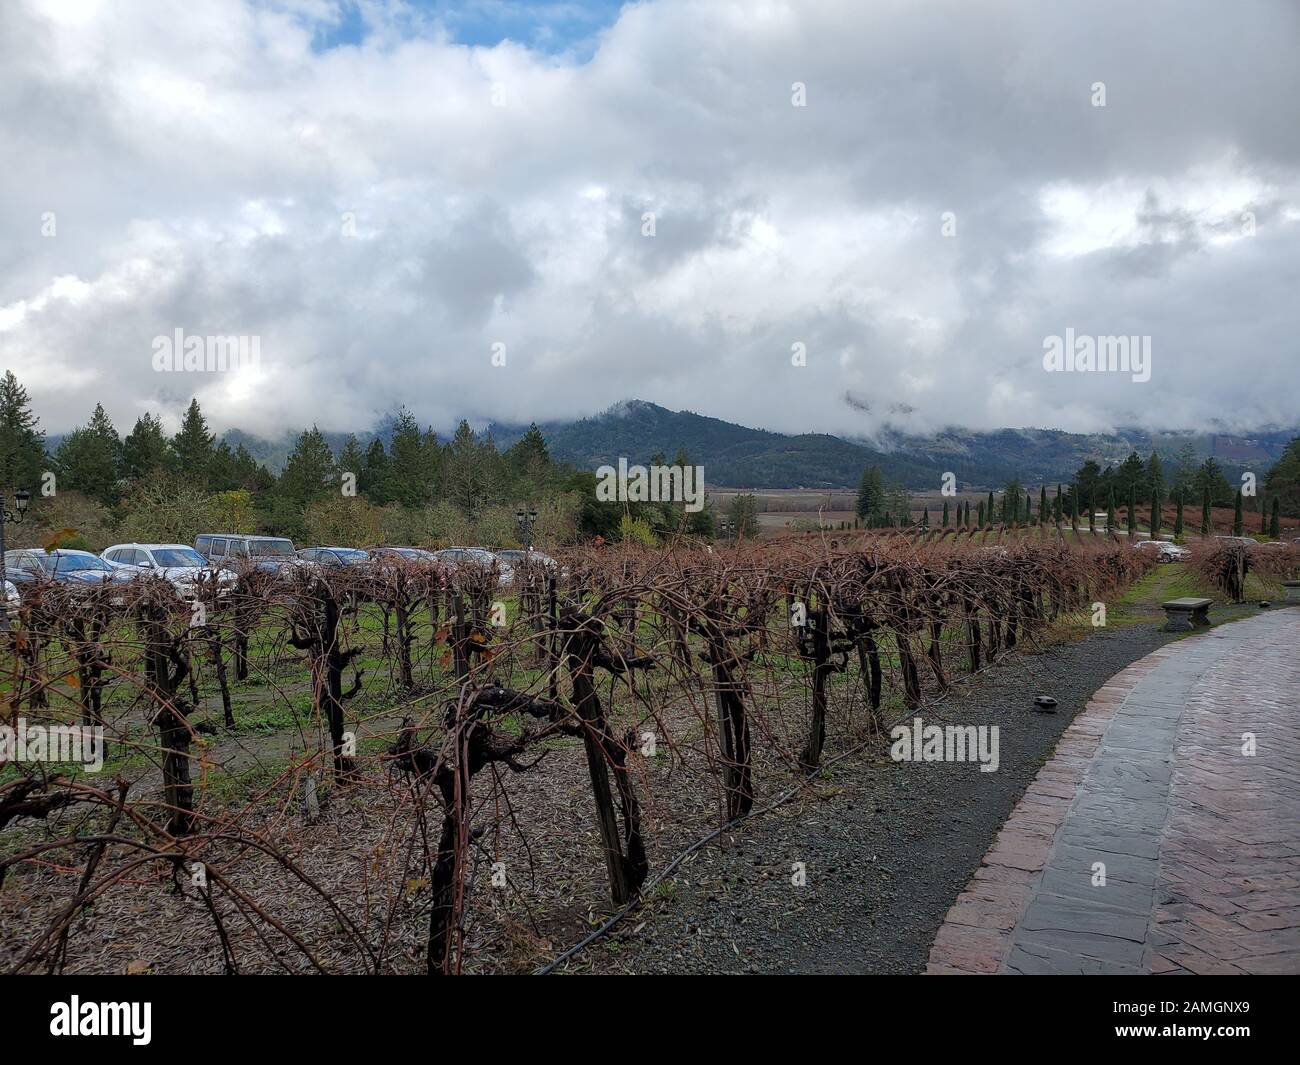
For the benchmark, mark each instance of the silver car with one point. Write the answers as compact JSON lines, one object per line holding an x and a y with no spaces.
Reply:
{"x":180,"y":565}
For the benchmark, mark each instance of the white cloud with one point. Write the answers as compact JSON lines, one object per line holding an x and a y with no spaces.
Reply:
{"x":200,"y":159}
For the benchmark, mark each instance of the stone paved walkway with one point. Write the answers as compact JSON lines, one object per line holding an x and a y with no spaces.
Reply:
{"x":1199,"y":842}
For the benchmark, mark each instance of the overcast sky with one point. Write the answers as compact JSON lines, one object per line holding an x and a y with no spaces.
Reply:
{"x":382,"y":191}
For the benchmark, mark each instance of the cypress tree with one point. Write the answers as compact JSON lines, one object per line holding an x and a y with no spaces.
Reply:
{"x":1263,"y":517}
{"x":1110,"y":510}
{"x":1074,"y":510}
{"x":1205,"y":512}
{"x":925,"y":517}
{"x":1275,"y":526}
{"x":1156,"y":516}
{"x":1178,"y":514}
{"x":1237,"y":522}
{"x":981,"y":516}
{"x":1042,"y":504}
{"x":945,"y":513}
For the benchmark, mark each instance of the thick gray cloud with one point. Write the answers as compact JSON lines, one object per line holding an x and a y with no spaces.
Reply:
{"x":382,"y":215}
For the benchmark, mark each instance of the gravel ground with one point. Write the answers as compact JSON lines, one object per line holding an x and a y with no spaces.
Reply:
{"x":887,"y":846}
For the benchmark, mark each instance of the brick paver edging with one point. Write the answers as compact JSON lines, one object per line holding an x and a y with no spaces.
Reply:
{"x":976,"y":936}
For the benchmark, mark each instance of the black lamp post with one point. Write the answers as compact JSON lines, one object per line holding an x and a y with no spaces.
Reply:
{"x":526,"y":520}
{"x":21,"y":498}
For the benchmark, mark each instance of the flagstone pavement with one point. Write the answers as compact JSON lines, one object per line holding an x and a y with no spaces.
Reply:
{"x":1164,"y":834}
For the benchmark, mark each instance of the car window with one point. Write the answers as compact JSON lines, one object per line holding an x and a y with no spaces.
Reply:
{"x":175,"y":556}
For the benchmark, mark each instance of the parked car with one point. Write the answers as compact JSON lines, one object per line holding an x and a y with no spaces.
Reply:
{"x":517,"y":559}
{"x":409,"y":554}
{"x":184,"y":567}
{"x":1238,"y":540}
{"x":1166,"y":552}
{"x":12,"y":598}
{"x":82,"y":570}
{"x":479,"y":557}
{"x":334,"y":557}
{"x":270,"y":554}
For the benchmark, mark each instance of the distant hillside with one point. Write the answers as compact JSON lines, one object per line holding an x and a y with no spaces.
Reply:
{"x":736,"y":456}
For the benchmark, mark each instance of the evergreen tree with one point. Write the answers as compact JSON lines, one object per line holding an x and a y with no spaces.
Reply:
{"x":373,"y":479}
{"x":981,"y":517}
{"x":529,"y":464}
{"x":352,"y":459}
{"x":468,"y":479}
{"x":925,"y":517}
{"x":1110,"y":510}
{"x":1210,"y":480}
{"x":1156,"y":516}
{"x":871,"y":493}
{"x":1237,"y":518}
{"x":1263,"y":517}
{"x":1275,"y":526}
{"x":1132,"y":508}
{"x":1205,"y":512}
{"x":1283,"y":480}
{"x":1178,"y":513}
{"x":22,"y":444}
{"x":1042,"y":504}
{"x":145,"y":448}
{"x":90,"y":458}
{"x":191,"y":448}
{"x":945,"y":513}
{"x":309,"y":473}
{"x":1156,"y":477}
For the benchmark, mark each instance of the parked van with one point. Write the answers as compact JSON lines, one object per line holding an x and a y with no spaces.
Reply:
{"x":272,"y":554}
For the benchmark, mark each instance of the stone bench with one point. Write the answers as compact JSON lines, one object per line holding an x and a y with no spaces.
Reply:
{"x":1292,"y":591}
{"x":1186,"y":614}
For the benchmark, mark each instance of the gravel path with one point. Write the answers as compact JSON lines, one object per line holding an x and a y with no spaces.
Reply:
{"x":887,"y":846}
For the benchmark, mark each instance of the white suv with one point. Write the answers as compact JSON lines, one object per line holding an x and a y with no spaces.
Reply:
{"x":177,"y":563}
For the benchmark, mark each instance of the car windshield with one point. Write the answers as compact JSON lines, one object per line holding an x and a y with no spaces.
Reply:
{"x":72,"y":563}
{"x":178,"y":556}
{"x":271,"y":548}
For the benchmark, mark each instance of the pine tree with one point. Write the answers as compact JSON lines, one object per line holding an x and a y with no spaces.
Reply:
{"x":467,"y":476}
{"x":351,"y":459}
{"x":871,"y":493}
{"x":373,"y":479}
{"x":1237,"y":518}
{"x":145,"y":448}
{"x":1275,"y":526}
{"x":22,"y":444}
{"x":90,"y":458}
{"x":191,"y":448}
{"x":309,"y":473}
